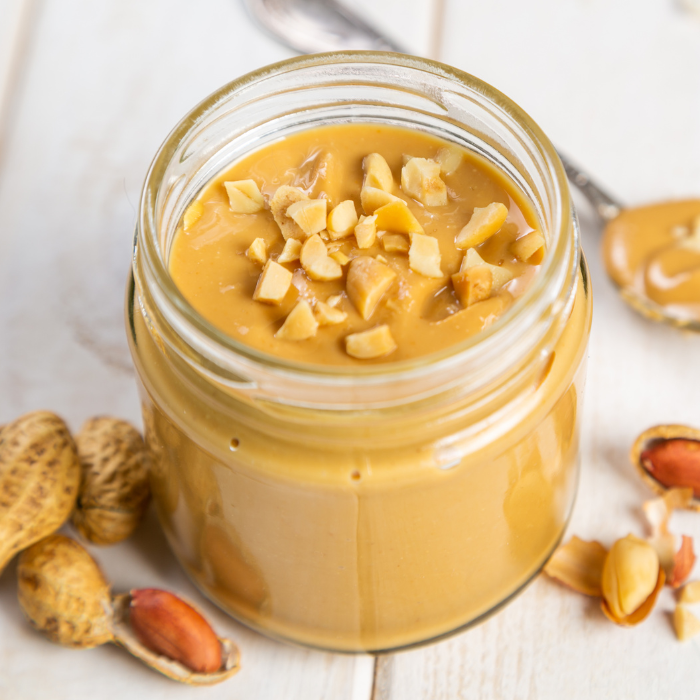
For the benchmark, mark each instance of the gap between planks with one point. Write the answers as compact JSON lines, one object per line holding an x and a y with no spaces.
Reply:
{"x":17,"y":18}
{"x":381,"y":685}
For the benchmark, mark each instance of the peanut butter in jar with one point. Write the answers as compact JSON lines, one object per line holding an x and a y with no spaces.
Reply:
{"x":350,"y":492}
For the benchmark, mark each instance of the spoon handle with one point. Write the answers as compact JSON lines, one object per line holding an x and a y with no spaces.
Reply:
{"x":313,"y":26}
{"x":605,"y":206}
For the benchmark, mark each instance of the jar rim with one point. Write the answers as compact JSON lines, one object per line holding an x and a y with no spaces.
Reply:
{"x":247,"y":357}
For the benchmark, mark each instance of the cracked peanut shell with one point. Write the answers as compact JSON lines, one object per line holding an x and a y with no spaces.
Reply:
{"x":39,"y":479}
{"x":114,"y":491}
{"x":63,"y":593}
{"x":668,"y":456}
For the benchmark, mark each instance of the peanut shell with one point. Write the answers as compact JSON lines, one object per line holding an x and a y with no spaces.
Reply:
{"x":39,"y":479}
{"x":126,"y":637}
{"x":658,"y":434}
{"x":114,"y":491}
{"x":63,"y":593}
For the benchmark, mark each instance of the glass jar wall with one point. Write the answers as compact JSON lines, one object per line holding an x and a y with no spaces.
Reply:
{"x":386,"y":506}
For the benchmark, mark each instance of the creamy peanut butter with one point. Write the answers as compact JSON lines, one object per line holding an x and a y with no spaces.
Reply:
{"x":356,"y":243}
{"x":357,"y":540}
{"x":361,"y":530}
{"x":654,"y":252}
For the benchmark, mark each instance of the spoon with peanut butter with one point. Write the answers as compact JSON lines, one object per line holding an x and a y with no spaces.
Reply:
{"x":652,"y":253}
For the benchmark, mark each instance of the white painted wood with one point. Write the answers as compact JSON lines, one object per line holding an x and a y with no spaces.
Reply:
{"x":410,"y":23}
{"x":614,"y":84}
{"x":15,"y":23}
{"x":617,"y":87}
{"x":34,"y":669}
{"x":103,"y":85}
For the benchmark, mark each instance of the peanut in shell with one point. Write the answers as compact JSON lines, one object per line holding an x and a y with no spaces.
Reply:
{"x":39,"y":479}
{"x":114,"y":490}
{"x":63,"y":593}
{"x":666,"y":456}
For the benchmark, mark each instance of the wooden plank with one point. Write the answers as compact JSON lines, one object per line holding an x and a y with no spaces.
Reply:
{"x":104,"y":84}
{"x":613,"y":86}
{"x":32,"y":669}
{"x":615,"y":89}
{"x":410,"y":23}
{"x":15,"y":21}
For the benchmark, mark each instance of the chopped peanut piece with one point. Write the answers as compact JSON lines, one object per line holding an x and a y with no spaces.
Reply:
{"x":395,"y":243}
{"x":397,"y":217}
{"x":257,"y":252}
{"x":372,"y":198}
{"x":484,"y":223}
{"x":424,"y":255}
{"x":342,"y":220}
{"x":367,"y":345}
{"x":449,"y":158}
{"x":374,"y":221}
{"x":244,"y":197}
{"x":290,"y":252}
{"x":690,"y":593}
{"x":315,"y":261}
{"x":340,"y":257}
{"x":301,"y":323}
{"x":310,"y":215}
{"x":283,"y":198}
{"x":473,"y":285}
{"x":377,"y":173}
{"x":193,"y":214}
{"x":368,"y":280}
{"x":420,"y":178}
{"x":366,"y":231}
{"x":685,"y":623}
{"x":501,"y":275}
{"x":328,"y":316}
{"x":273,"y":283}
{"x":529,"y":248}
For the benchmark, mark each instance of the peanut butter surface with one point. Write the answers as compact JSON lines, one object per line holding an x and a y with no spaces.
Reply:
{"x":654,"y":251}
{"x":218,"y":257}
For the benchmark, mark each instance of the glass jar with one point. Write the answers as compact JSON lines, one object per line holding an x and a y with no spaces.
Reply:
{"x":387,"y":505}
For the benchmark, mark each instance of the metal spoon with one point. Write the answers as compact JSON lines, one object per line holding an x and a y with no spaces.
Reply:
{"x":314,"y":26}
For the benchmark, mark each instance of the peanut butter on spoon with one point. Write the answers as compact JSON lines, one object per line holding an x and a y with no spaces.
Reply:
{"x":653,"y":254}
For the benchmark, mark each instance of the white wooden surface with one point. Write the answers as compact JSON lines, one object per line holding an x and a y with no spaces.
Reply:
{"x":88,"y":91}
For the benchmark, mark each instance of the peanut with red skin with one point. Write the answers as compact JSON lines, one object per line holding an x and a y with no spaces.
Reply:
{"x":167,"y":625}
{"x":674,"y":462}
